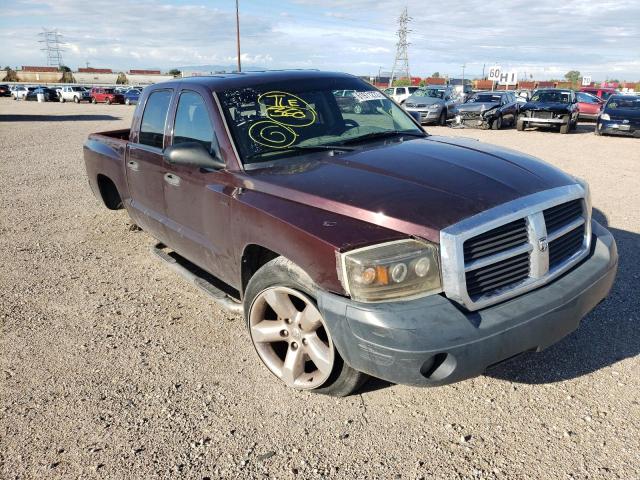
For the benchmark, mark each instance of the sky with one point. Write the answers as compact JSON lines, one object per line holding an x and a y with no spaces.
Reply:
{"x":541,"y":38}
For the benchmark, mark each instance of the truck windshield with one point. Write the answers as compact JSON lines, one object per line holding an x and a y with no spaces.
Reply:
{"x":277,"y":120}
{"x":553,"y":96}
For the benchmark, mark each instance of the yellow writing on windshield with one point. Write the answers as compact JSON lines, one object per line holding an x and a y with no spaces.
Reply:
{"x":287,"y":109}
{"x":285,"y":112}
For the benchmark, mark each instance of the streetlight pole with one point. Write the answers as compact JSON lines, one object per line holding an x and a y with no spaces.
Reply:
{"x":238,"y":34}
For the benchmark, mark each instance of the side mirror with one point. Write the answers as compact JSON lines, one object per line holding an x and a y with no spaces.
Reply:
{"x":192,"y":154}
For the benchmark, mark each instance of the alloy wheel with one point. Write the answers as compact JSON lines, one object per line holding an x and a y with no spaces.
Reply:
{"x":291,"y":338}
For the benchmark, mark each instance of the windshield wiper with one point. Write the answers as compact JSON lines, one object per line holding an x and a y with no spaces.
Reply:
{"x":390,"y":133}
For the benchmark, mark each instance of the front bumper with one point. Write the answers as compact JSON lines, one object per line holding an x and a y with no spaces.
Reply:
{"x":614,"y":127}
{"x":425,"y":116}
{"x":546,"y":121}
{"x":432,"y":342}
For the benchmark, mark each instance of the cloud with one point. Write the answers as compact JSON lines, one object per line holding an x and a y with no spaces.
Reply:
{"x":359,"y":36}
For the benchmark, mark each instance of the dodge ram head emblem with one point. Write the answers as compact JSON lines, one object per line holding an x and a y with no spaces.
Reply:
{"x":543,"y":245}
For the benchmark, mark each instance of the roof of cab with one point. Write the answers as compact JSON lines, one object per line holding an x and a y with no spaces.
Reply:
{"x":225,"y":81}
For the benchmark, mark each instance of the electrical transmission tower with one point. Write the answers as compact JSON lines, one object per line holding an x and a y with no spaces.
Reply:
{"x":52,"y":46}
{"x":401,"y":63}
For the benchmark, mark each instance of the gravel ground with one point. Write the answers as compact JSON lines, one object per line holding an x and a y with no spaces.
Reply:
{"x":114,"y":367}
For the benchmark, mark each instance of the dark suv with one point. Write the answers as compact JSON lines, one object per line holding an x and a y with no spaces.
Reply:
{"x":550,"y":107}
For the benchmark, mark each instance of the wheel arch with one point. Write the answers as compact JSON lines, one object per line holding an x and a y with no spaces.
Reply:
{"x":109,"y":192}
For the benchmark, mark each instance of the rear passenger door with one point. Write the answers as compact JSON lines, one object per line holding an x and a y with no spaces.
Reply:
{"x":197,"y":199}
{"x":145,"y":165}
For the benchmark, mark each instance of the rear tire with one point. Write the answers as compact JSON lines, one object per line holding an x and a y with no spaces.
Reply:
{"x":93,"y":100}
{"x":61,"y":99}
{"x":108,"y":101}
{"x":127,"y":102}
{"x":281,"y":285}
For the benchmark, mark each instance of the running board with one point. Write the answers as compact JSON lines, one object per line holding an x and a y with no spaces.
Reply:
{"x":217,"y":295}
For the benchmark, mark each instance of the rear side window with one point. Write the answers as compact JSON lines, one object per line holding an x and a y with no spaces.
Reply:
{"x":192,"y":121}
{"x":154,"y":118}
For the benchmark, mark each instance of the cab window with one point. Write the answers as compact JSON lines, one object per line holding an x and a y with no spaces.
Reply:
{"x":192,"y":121}
{"x":154,"y":118}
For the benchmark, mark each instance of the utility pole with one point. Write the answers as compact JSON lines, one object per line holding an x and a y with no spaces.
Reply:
{"x":401,"y":62}
{"x":463,"y":65}
{"x":238,"y":34}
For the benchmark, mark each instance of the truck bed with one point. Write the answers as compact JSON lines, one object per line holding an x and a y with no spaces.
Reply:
{"x":122,"y":134}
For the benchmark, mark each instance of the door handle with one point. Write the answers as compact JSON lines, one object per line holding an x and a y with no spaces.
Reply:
{"x":172,"y":179}
{"x":133,"y":165}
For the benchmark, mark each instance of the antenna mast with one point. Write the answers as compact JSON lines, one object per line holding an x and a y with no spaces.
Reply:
{"x":401,"y":63}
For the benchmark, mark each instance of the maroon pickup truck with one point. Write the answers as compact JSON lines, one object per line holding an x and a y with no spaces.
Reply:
{"x":354,"y":243}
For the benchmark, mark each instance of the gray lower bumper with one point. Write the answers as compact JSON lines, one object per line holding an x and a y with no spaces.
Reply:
{"x":430,"y":341}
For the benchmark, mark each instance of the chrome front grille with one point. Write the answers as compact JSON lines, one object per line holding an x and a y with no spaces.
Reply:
{"x":515,"y":247}
{"x":542,"y":114}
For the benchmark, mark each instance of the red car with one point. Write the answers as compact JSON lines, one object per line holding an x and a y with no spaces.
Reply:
{"x":106,"y":95}
{"x":589,"y":106}
{"x":600,"y":92}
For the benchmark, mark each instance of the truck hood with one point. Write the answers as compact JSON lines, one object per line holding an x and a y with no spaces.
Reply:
{"x":545,"y":107}
{"x":417,"y":187}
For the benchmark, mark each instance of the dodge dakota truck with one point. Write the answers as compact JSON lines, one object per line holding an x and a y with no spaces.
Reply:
{"x":354,"y":243}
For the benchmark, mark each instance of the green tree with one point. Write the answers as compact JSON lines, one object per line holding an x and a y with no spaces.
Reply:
{"x":435,"y":75}
{"x":11,"y":75}
{"x":122,"y":79}
{"x":572,"y":76}
{"x":175,"y":72}
{"x":64,"y":68}
{"x":402,"y":82}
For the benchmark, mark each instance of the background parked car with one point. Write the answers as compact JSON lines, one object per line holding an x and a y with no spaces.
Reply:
{"x":49,"y":94}
{"x":400,"y":94}
{"x":488,"y":110}
{"x":589,"y":106}
{"x":603,"y":93}
{"x":74,"y":94}
{"x":4,"y":91}
{"x":106,"y":95}
{"x":432,"y":104}
{"x":550,"y":107}
{"x":131,"y":96}
{"x":20,"y":91}
{"x":620,"y":115}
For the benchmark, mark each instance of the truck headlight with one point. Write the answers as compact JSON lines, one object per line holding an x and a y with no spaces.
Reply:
{"x":391,"y":271}
{"x":605,"y":116}
{"x":434,"y":106}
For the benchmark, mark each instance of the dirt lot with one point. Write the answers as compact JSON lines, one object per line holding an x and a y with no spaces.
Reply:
{"x":113,"y":367}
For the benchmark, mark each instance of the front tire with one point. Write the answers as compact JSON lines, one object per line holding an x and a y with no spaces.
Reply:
{"x":566,"y":128}
{"x":497,"y":123}
{"x":108,"y":101}
{"x":442,"y":121}
{"x":127,"y":102}
{"x":76,"y":99}
{"x":520,"y":125}
{"x":289,"y":334}
{"x":93,"y":100}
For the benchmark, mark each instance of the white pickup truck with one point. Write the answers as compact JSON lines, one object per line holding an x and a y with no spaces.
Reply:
{"x":73,"y":93}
